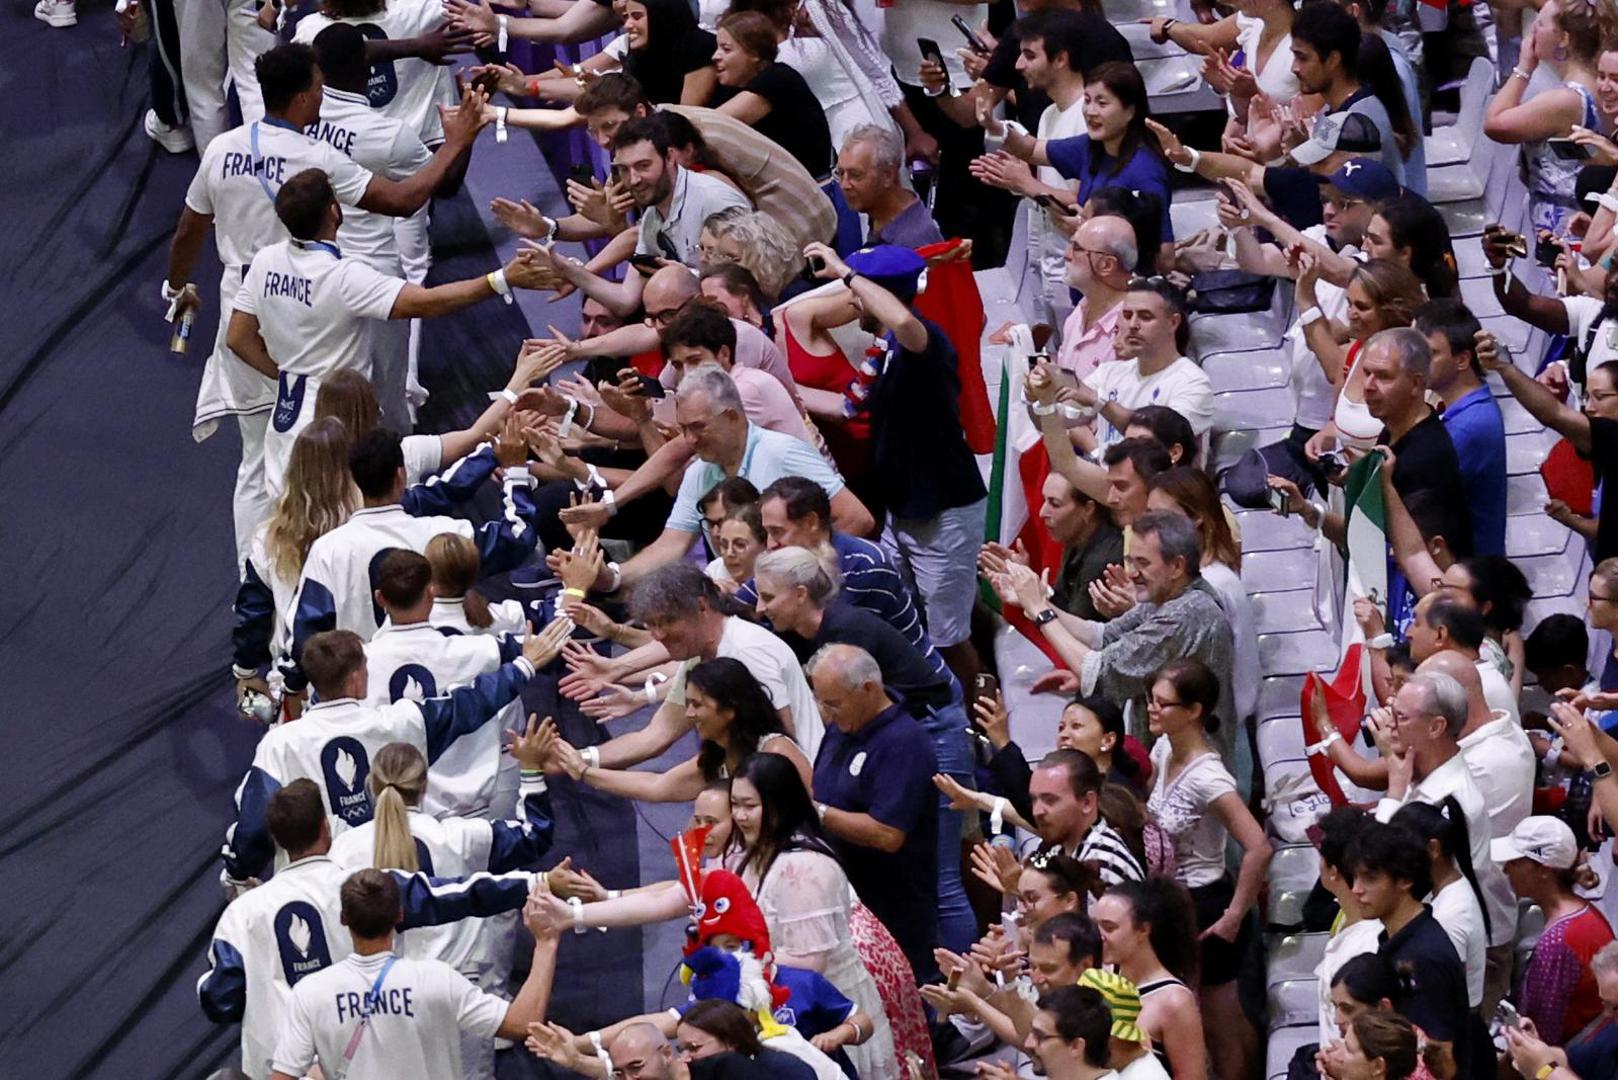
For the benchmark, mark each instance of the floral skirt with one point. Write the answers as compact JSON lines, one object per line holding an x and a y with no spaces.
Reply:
{"x":896,"y":985}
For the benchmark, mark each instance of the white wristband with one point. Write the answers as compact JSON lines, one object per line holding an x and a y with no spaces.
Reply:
{"x":591,"y":756}
{"x":1043,"y":410}
{"x":1311,"y":315}
{"x":820,"y":810}
{"x":997,"y":815}
{"x":1321,"y":746}
{"x":510,"y":395}
{"x":566,"y":427}
{"x":1190,"y":166}
{"x":500,"y":134}
{"x":613,"y":894}
{"x":609,"y":499}
{"x":497,"y":282}
{"x":504,"y":23}
{"x":650,"y":689}
{"x":578,"y":914}
{"x":615,"y":570}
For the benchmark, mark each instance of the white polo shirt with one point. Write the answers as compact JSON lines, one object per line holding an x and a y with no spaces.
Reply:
{"x":235,"y":184}
{"x":416,"y":1016}
{"x":408,"y":90}
{"x":1454,"y":777}
{"x":314,"y":311}
{"x":1182,"y":386}
{"x":1457,"y":910}
{"x":776,"y":669}
{"x":382,"y":144}
{"x":1501,"y":761}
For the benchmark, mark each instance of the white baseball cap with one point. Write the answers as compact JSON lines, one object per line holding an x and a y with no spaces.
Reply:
{"x":1546,"y":840}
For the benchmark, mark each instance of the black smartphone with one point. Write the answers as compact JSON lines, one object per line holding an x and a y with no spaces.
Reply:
{"x":1055,"y":205}
{"x":1278,"y":501}
{"x":646,"y":264}
{"x":1546,"y":251}
{"x":650,"y":388}
{"x":1331,"y":463}
{"x":582,"y":173}
{"x":1568,"y":150}
{"x":985,"y":686}
{"x":973,"y":42}
{"x":817,"y":265}
{"x":930,"y":51}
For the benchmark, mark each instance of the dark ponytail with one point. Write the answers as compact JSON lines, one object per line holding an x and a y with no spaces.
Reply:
{"x":1164,"y":904}
{"x":1446,"y":824}
{"x":1375,"y":69}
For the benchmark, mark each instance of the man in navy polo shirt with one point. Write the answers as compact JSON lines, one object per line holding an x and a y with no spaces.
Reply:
{"x":873,"y":782}
{"x":1391,"y":875}
{"x":1471,"y":417}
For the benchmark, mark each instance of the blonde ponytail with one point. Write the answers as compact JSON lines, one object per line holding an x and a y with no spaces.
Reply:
{"x":397,"y":782}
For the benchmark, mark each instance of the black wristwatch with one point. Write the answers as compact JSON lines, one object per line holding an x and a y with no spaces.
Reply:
{"x":1048,"y":616}
{"x":848,"y":278}
{"x":1599,"y":771}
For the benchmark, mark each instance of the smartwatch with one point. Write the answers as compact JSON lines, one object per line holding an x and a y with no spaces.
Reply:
{"x":1601,"y":770}
{"x":1045,"y":617}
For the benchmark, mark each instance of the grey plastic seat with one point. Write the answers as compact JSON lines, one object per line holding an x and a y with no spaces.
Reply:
{"x":1239,"y":409}
{"x":1525,"y":452}
{"x":1174,"y":84}
{"x":1247,"y":330}
{"x":1122,"y":13}
{"x":1285,"y":612}
{"x":1478,"y":295}
{"x":1277,"y":571}
{"x":1294,"y":1002}
{"x":1294,"y":870}
{"x":1525,"y":494}
{"x":1264,"y":530}
{"x":1464,"y":218}
{"x":1516,"y":418}
{"x":1551,"y":575}
{"x":1528,"y":535}
{"x":1229,"y":446}
{"x":1252,"y":370}
{"x":1192,"y":215}
{"x":1279,"y":738}
{"x":1295,"y":956}
{"x":1284,"y":1044}
{"x":1513,"y":333}
{"x":1454,"y":183}
{"x":1295,"y":654}
{"x":1279,"y":695}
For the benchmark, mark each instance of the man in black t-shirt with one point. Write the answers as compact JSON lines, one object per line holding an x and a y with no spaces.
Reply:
{"x":926,"y":476}
{"x":1101,"y":42}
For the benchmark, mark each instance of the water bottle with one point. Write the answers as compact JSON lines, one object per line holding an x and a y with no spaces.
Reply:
{"x":255,"y":704}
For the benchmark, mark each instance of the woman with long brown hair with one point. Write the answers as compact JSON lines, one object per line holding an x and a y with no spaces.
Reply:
{"x":319,"y":496}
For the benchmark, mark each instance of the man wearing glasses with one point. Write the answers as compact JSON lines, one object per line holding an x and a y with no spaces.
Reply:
{"x":1099,"y":258}
{"x":1070,"y":1038}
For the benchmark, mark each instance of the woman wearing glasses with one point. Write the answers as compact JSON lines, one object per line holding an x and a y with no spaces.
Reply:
{"x":1194,"y":798}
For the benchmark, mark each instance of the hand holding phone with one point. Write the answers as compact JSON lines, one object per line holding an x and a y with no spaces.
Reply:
{"x":973,"y":42}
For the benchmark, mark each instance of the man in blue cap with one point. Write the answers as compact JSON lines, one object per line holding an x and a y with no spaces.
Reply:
{"x":927,"y":479}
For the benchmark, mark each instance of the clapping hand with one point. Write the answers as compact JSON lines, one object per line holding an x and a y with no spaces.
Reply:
{"x":533,"y":746}
{"x":997,"y":867}
{"x":1112,"y":593}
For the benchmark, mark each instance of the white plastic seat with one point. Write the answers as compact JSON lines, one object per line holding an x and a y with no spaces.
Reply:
{"x":1122,"y":13}
{"x":1174,"y":84}
{"x":1295,"y":654}
{"x":1525,"y":452}
{"x":1516,"y":418}
{"x":1192,"y":215}
{"x":1229,"y":446}
{"x":1455,"y":143}
{"x":1245,"y":331}
{"x":1513,"y":333}
{"x":1551,"y":575}
{"x":1478,"y":295}
{"x":1453,"y":184}
{"x":1294,"y":869}
{"x":1528,"y":535}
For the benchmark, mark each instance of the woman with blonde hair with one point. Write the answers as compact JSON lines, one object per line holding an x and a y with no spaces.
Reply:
{"x":1382,"y":294}
{"x":400,"y":837}
{"x":319,"y":496}
{"x":758,"y":244}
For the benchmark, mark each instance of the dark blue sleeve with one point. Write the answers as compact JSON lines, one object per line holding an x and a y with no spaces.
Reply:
{"x":510,"y":648}
{"x":223,"y":990}
{"x":467,"y":708}
{"x":255,"y":620}
{"x":747,"y":595}
{"x":1069,"y":156}
{"x":519,"y":845}
{"x":441,"y":494}
{"x":317,"y":612}
{"x":248,"y":845}
{"x":504,"y":543}
{"x":429,"y":901}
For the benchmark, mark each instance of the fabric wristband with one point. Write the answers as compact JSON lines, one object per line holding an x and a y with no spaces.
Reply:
{"x":497,"y":282}
{"x":503,"y":22}
{"x":592,"y":756}
{"x":510,"y":395}
{"x":1190,"y":166}
{"x":500,"y":134}
{"x":1316,"y":749}
{"x":1311,"y":316}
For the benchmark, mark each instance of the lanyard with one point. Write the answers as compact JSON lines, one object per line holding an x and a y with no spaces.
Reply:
{"x":318,"y":245}
{"x":371,"y":997}
{"x":258,"y":159}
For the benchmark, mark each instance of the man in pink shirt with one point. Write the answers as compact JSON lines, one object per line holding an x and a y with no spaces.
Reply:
{"x":1099,"y":257}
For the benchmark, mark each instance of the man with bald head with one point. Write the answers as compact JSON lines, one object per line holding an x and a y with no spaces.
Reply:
{"x":641,"y":1051}
{"x":1101,"y":259}
{"x":1448,"y":620}
{"x":1501,"y":761}
{"x":874,"y":782}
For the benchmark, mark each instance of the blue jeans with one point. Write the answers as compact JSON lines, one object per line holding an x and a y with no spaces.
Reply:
{"x":957,"y":924}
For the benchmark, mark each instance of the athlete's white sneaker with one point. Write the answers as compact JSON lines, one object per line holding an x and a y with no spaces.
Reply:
{"x":56,"y":12}
{"x":176,"y":140}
